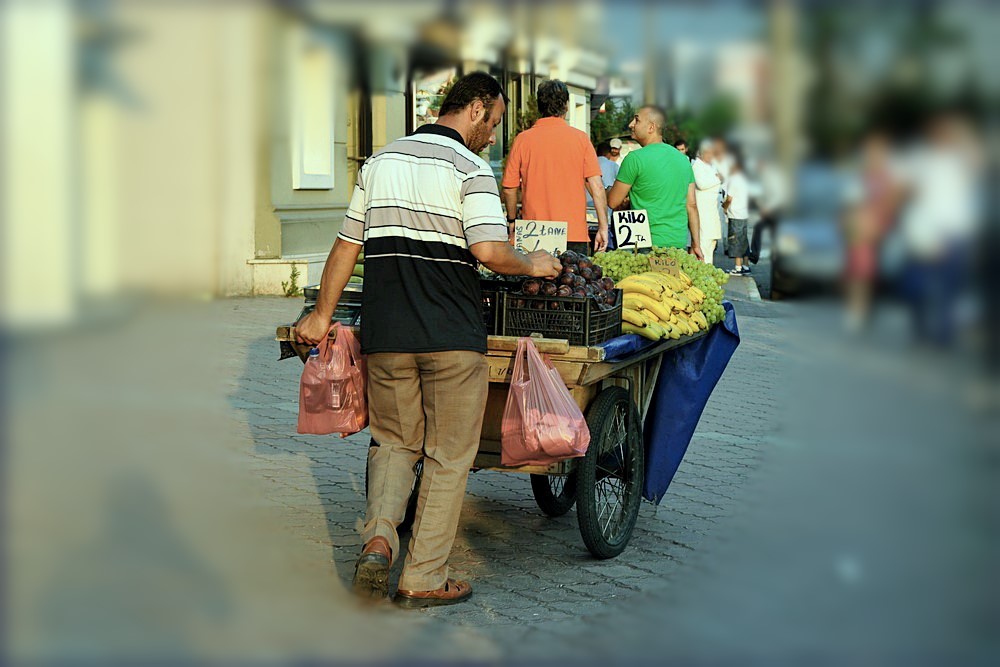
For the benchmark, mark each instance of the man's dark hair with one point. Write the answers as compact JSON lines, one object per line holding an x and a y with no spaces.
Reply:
{"x":680,"y":142}
{"x":469,"y":88}
{"x":603,"y":148}
{"x":553,"y":98}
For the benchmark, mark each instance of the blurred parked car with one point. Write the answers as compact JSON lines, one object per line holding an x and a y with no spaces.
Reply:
{"x":807,"y":251}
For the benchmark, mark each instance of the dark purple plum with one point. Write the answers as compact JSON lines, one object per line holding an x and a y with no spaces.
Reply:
{"x":549,"y":288}
{"x":531,"y":287}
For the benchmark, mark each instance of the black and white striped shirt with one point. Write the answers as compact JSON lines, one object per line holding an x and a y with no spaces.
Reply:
{"x":418,"y":205}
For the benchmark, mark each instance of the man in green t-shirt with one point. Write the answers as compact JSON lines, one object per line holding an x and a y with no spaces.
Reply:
{"x":659,"y":179}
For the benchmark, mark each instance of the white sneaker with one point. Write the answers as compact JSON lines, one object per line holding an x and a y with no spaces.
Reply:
{"x":735,"y":272}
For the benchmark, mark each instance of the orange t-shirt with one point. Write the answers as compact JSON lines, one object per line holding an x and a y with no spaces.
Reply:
{"x":550,"y":162}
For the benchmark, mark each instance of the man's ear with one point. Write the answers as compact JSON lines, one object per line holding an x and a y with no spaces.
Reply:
{"x":477,"y":111}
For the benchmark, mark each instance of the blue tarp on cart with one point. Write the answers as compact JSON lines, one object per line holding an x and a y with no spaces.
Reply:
{"x":688,"y":376}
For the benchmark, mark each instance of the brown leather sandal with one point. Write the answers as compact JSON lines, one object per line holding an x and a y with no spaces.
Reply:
{"x":453,"y":592}
{"x":371,"y":572}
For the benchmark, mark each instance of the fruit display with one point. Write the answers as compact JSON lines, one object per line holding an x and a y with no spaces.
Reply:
{"x":620,"y":264}
{"x":708,"y":279}
{"x":658,"y":305}
{"x":580,"y":278}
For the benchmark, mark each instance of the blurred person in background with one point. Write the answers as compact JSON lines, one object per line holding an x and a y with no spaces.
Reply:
{"x":423,"y":330}
{"x":866,"y":225}
{"x":939,"y":224}
{"x":615,"y":154}
{"x":658,"y":178}
{"x":737,"y":207}
{"x":681,"y":145}
{"x":774,"y":198}
{"x":609,"y":172}
{"x":707,"y":182}
{"x":722,"y":159}
{"x":552,"y":163}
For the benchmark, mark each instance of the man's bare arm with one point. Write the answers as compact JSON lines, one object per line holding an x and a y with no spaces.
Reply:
{"x":337,"y":271}
{"x":619,"y":191}
{"x":694,"y":222}
{"x":502,"y":258}
{"x":510,"y":202}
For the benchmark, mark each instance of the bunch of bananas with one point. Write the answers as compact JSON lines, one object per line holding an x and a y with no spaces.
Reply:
{"x":658,"y":305}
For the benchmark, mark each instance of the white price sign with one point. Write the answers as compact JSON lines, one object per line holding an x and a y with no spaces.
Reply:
{"x":532,"y":235}
{"x":632,"y":229}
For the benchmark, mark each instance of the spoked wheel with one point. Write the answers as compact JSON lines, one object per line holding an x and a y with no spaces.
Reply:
{"x":411,"y":504}
{"x":555,"y":494}
{"x":609,"y":482}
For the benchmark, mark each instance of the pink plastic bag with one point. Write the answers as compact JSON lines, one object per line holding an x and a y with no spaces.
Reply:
{"x":542,"y":423}
{"x":332,"y":391}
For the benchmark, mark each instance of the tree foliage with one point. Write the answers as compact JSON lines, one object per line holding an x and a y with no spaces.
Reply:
{"x":527,"y":117}
{"x":613,"y":122}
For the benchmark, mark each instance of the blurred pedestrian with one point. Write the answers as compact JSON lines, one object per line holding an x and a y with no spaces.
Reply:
{"x":737,"y":207}
{"x":707,"y":182}
{"x":552,"y":164}
{"x":866,"y":225}
{"x":722,"y":159}
{"x":939,"y":224}
{"x":659,"y":179}
{"x":682,"y":146}
{"x":774,"y":197}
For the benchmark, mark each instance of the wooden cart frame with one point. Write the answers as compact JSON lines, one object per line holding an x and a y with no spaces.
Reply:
{"x":606,"y":483}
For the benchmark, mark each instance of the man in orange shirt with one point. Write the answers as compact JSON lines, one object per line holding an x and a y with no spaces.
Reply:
{"x":552,"y":162}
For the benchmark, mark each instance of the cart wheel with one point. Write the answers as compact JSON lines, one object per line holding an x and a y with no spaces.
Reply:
{"x":555,"y":494}
{"x":411,"y":505}
{"x":609,"y":483}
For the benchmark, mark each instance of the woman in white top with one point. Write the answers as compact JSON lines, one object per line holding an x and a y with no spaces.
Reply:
{"x":706,"y":182}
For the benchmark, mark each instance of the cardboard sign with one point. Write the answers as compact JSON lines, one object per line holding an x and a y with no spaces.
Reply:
{"x":632,"y":229}
{"x":664,"y":264}
{"x":532,"y":235}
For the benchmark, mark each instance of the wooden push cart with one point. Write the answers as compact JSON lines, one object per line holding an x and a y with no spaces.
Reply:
{"x":606,"y":483}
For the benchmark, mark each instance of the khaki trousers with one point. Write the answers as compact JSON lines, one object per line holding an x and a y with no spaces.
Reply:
{"x":430,"y":406}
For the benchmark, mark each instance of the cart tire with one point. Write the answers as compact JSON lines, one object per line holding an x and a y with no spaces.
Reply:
{"x":411,"y":504}
{"x":609,"y":477}
{"x":555,"y":494}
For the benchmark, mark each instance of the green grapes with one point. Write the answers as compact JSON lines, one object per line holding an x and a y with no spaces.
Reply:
{"x":619,"y":264}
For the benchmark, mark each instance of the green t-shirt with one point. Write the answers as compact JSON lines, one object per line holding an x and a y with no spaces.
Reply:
{"x":659,"y":175}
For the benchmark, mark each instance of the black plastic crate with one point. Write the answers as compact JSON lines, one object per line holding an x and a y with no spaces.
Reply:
{"x":493,"y":297}
{"x":580,"y":320}
{"x":348,"y":310}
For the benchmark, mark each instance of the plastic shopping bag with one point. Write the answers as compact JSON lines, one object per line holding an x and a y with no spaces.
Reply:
{"x":332,"y":391}
{"x":542,"y":423}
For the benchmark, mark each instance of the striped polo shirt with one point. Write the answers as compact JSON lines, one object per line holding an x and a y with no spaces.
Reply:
{"x":418,"y":205}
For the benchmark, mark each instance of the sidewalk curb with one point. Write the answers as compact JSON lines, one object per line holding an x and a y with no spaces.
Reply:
{"x":742,"y":288}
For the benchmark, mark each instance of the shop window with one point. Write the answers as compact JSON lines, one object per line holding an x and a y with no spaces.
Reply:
{"x":312,"y":82}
